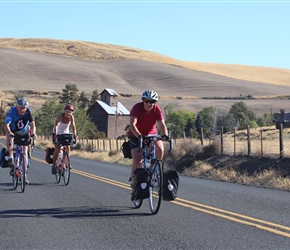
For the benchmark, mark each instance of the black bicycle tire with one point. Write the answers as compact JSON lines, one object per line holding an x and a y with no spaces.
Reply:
{"x":154,"y":207}
{"x":22,"y":171}
{"x":66,"y":168}
{"x":58,"y":174}
{"x":14,"y":177}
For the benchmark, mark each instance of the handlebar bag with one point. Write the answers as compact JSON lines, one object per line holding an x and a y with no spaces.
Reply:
{"x":22,"y":138}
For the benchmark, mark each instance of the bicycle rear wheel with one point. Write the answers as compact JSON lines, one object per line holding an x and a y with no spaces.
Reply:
{"x":156,"y":186}
{"x":14,"y":177}
{"x":22,"y":172}
{"x":66,"y":168}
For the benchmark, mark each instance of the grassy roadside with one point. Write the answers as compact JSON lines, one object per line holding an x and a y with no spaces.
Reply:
{"x":206,"y":162}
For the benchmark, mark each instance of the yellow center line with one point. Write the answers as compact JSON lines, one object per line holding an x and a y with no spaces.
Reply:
{"x":235,"y":217}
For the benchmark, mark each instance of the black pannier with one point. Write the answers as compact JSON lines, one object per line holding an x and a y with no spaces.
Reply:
{"x":140,"y":183}
{"x":126,"y":149}
{"x":4,"y":155}
{"x":170,"y":185}
{"x":49,"y":155}
{"x":65,"y":139}
{"x":22,"y":138}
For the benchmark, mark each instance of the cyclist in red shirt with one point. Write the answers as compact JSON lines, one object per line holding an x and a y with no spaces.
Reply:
{"x":143,"y":118}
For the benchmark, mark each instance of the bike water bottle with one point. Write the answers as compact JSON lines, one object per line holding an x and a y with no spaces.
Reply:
{"x":60,"y":155}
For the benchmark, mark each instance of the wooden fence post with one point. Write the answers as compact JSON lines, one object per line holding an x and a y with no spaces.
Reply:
{"x":222,"y":140}
{"x":249,"y":140}
{"x":201,"y":136}
{"x":281,"y":140}
{"x":234,"y":142}
{"x":261,"y":131}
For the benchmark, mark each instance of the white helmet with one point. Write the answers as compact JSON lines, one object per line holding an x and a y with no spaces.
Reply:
{"x":150,"y":94}
{"x":22,"y":102}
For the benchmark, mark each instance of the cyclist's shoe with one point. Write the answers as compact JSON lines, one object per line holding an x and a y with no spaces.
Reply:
{"x":11,"y":163}
{"x":26,"y":180}
{"x":133,"y":196}
{"x":53,"y":169}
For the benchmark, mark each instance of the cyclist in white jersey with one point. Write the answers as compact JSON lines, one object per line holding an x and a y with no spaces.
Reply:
{"x":62,"y":125}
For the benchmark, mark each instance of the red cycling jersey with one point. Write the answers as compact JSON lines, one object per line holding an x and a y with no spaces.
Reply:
{"x":146,"y":122}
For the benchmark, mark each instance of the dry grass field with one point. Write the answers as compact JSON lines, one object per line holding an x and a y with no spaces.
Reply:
{"x":46,"y":66}
{"x":42,"y":68}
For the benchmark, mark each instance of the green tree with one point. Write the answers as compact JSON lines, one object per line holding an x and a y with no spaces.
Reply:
{"x":179,"y":121}
{"x":95,"y":96}
{"x":242,"y":113}
{"x":265,"y":120}
{"x":83,"y":101}
{"x":209,"y":116}
{"x":85,"y":127}
{"x":45,"y":117}
{"x":70,"y":94}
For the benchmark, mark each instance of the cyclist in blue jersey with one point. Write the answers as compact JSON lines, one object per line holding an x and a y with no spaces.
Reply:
{"x":18,"y":118}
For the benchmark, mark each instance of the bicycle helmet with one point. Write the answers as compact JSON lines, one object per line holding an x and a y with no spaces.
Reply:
{"x":69,"y":107}
{"x":150,"y":94}
{"x":22,"y":102}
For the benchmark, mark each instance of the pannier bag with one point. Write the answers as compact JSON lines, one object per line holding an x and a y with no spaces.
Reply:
{"x":170,"y":185}
{"x":49,"y":155}
{"x":4,"y":156}
{"x":140,"y":183}
{"x":22,"y":138}
{"x":65,"y":139}
{"x":126,"y":149}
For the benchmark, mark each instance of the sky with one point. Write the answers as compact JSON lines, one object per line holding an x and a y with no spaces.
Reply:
{"x":253,"y":33}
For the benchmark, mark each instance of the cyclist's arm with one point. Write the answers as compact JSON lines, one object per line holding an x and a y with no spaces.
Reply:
{"x":7,"y":128}
{"x":33,"y":128}
{"x":133,"y":128}
{"x":58,"y":119}
{"x":73,"y":125}
{"x":163,"y":127}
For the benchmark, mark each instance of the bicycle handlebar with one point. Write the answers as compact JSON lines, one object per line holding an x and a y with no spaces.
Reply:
{"x":144,"y":139}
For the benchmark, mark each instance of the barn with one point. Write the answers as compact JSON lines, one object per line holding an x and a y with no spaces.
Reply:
{"x":109,"y":115}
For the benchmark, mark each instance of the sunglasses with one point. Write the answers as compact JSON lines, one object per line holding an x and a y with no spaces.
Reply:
{"x":149,"y":101}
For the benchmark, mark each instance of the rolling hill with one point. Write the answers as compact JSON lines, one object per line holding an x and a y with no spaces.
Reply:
{"x":44,"y":66}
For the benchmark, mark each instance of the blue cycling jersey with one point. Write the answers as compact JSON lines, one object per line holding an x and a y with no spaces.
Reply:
{"x":18,"y":122}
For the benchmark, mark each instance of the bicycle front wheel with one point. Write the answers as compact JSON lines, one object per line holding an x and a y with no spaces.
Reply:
{"x":156,"y":186}
{"x":22,"y":172}
{"x":14,"y":176}
{"x":66,"y":168}
{"x":58,"y":171}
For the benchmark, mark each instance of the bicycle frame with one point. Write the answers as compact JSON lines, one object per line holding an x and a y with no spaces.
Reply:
{"x":19,"y":165}
{"x":63,"y":163}
{"x":152,"y":153}
{"x":155,"y":170}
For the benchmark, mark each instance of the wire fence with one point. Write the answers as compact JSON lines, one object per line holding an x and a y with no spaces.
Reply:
{"x":257,"y":142}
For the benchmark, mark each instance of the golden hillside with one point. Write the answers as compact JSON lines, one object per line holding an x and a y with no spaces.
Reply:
{"x":98,"y":51}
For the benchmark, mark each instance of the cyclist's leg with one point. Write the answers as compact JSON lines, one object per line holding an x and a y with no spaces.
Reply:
{"x":136,"y":156}
{"x":25,"y":149}
{"x":159,"y":149}
{"x":10,"y":151}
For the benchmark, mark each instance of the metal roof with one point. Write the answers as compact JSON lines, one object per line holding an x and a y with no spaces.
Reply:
{"x":111,"y":92}
{"x":112,"y":110}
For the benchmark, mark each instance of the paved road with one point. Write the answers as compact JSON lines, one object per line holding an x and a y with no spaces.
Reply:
{"x":95,"y":212}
